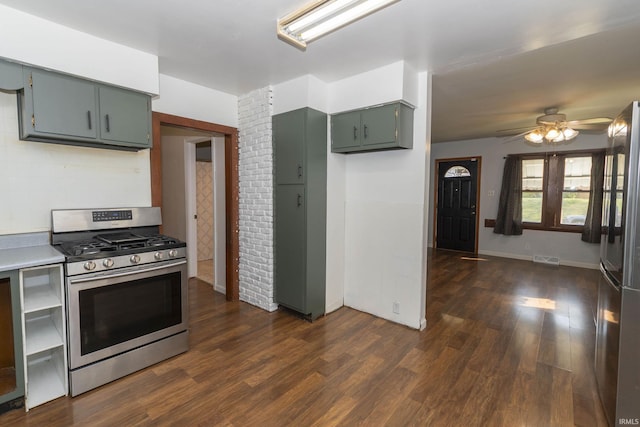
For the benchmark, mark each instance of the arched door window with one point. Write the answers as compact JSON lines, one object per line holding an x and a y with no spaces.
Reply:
{"x":457,"y":172}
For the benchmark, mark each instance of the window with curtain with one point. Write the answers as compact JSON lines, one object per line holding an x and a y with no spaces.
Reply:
{"x":559,"y":191}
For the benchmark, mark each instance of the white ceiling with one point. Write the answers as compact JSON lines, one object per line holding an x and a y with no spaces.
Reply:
{"x":496,"y":63}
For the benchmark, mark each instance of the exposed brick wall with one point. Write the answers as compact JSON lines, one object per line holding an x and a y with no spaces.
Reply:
{"x":256,"y":198}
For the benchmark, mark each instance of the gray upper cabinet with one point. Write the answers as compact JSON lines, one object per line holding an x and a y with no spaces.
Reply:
{"x":124,"y":116}
{"x":345,"y":131}
{"x":383,"y":127}
{"x":61,"y":106}
{"x":58,"y":108}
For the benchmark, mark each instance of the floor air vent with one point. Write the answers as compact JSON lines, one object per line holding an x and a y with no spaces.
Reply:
{"x":544,"y":259}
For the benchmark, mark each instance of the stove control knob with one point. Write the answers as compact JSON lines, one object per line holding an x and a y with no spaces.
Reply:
{"x":134,"y":259}
{"x":158,"y":255}
{"x":89,"y":265}
{"x":173,"y":253}
{"x":108,"y":263}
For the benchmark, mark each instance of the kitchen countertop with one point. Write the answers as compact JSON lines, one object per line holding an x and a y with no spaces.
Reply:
{"x":27,"y":250}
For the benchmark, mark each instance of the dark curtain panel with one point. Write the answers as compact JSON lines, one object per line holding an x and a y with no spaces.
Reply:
{"x":509,"y":219}
{"x":593,"y":221}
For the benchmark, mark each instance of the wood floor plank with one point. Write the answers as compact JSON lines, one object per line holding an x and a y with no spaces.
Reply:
{"x":507,"y":343}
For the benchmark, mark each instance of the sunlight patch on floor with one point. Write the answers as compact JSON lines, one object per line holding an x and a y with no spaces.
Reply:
{"x":542,"y":303}
{"x":468,"y":258}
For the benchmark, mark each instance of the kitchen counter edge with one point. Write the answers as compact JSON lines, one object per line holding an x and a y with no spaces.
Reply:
{"x":27,"y":250}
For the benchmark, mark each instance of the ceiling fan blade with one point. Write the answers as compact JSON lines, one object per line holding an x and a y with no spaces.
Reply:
{"x":515,"y":131}
{"x":596,"y":124}
{"x":593,"y":120}
{"x":594,"y":127}
{"x":517,"y":137}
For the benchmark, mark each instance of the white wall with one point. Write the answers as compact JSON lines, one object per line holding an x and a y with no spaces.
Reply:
{"x":336,"y":196}
{"x":384,"y":205}
{"x":375,"y":201}
{"x":35,"y":41}
{"x":186,"y":99}
{"x":566,"y":246}
{"x":391,"y":82}
{"x":36,"y":177}
{"x":305,"y":91}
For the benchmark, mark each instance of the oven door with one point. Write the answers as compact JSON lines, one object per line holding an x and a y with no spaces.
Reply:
{"x":112,"y":313}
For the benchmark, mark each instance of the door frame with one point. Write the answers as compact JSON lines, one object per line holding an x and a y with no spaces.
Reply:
{"x":435,"y":196}
{"x":231,"y":185}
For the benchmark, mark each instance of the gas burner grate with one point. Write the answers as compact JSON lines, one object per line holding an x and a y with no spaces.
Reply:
{"x":89,"y":247}
{"x":161,"y":240}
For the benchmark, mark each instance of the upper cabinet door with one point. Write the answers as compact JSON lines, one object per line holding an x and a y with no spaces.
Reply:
{"x":60,"y":105}
{"x":124,"y":116}
{"x":379,"y":125}
{"x":345,"y":130}
{"x":289,"y":138}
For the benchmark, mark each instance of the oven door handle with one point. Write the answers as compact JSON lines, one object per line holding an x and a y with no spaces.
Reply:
{"x":128,"y":273}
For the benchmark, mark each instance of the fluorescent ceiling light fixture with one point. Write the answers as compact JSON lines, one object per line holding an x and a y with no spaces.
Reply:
{"x":322,"y":17}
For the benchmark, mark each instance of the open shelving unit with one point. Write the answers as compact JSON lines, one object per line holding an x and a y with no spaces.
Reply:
{"x":45,"y":339}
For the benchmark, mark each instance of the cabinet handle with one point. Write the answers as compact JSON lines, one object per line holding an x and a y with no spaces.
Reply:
{"x":299,"y":200}
{"x":299,"y":171}
{"x":366,"y":133}
{"x":106,"y":117}
{"x":355,"y":132}
{"x":89,"y":118}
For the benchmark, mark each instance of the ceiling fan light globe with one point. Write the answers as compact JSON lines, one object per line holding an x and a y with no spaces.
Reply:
{"x":535,"y":137}
{"x":553,"y":134}
{"x":569,"y":133}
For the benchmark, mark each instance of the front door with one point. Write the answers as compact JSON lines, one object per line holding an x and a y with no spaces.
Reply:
{"x":457,"y":207}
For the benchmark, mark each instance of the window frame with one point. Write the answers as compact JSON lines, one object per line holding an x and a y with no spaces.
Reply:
{"x":553,"y":188}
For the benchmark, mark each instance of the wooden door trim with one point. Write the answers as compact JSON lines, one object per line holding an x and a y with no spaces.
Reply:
{"x":231,"y":185}
{"x":435,"y":196}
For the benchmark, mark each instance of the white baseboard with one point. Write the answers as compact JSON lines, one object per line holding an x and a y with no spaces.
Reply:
{"x":333,"y":306}
{"x":530,"y":258}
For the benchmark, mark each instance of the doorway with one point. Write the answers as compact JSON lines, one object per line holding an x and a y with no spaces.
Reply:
{"x":457,"y":204}
{"x":229,"y":139}
{"x":204,"y":207}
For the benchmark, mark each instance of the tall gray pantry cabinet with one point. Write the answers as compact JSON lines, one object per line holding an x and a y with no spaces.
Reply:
{"x":300,"y":206}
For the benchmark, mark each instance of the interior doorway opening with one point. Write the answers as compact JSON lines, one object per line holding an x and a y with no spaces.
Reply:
{"x":205,"y":215}
{"x":175,"y":139}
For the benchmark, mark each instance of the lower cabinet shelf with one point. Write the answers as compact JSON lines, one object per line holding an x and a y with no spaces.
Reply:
{"x":46,"y":378}
{"x":44,"y":334}
{"x":41,"y":331}
{"x":39,"y":297}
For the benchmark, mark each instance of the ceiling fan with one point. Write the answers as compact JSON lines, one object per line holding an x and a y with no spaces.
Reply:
{"x":553,"y":128}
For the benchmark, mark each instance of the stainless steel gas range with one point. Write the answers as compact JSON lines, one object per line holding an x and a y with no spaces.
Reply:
{"x":126,"y":290}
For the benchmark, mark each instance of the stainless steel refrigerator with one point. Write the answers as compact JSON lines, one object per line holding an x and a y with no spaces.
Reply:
{"x":617,"y":358}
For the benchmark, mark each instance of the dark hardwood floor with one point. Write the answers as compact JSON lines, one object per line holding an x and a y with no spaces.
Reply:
{"x":508,"y":343}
